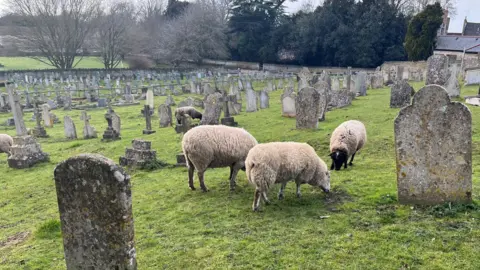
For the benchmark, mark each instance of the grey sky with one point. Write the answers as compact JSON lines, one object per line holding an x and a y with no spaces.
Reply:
{"x":469,"y":8}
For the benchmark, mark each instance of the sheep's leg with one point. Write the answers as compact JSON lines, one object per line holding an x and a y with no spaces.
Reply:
{"x":333,"y":165}
{"x":256,"y":200}
{"x":346,"y":160}
{"x":282,"y":189}
{"x":233,"y":174}
{"x":190,"y":177}
{"x":202,"y":183}
{"x":299,"y":194}
{"x":265,"y":198}
{"x":351,"y":160}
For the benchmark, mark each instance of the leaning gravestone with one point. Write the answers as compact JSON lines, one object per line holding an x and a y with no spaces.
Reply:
{"x":213,"y":109}
{"x":307,"y":108}
{"x":433,"y":140}
{"x":401,"y":94}
{"x":439,"y":73}
{"x":251,"y":97}
{"x":69,"y":128}
{"x":95,"y":204}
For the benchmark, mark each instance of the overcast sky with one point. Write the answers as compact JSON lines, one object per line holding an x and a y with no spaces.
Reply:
{"x":469,"y":8}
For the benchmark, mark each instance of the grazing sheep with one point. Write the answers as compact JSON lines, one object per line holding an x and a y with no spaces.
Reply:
{"x":216,"y":146}
{"x":280,"y":162}
{"x":6,"y":143}
{"x":194,"y":114}
{"x":347,"y":139}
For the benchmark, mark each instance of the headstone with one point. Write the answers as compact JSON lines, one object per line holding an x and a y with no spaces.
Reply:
{"x":148,"y":121}
{"x":113,"y":126}
{"x":95,"y":204}
{"x":47,"y":121}
{"x":264,"y":100}
{"x":399,"y":75}
{"x":335,"y":84}
{"x":25,"y":151}
{"x":186,"y":103}
{"x":69,"y":128}
{"x":305,"y":78}
{"x":361,"y":83}
{"x":340,"y":99}
{"x":89,"y":131}
{"x":401,"y":94}
{"x":185,"y":124}
{"x":348,"y":80}
{"x":165,"y":115}
{"x":169,"y":101}
{"x":228,"y":120}
{"x":323,"y":90}
{"x":39,"y":131}
{"x":438,"y":73}
{"x":140,"y":155}
{"x":213,"y":109}
{"x":288,"y":104}
{"x":251,"y":97}
{"x":102,"y":102}
{"x":307,"y":108}
{"x":433,"y":139}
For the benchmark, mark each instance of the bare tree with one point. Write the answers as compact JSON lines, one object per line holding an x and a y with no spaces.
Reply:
{"x":150,"y":20}
{"x":198,"y":33}
{"x":112,"y":36}
{"x":57,"y":29}
{"x":412,"y":7}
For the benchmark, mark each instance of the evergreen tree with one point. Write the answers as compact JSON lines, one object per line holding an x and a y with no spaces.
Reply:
{"x":422,"y":32}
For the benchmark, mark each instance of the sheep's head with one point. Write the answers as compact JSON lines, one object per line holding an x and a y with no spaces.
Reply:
{"x":339,"y":158}
{"x":322,"y":180}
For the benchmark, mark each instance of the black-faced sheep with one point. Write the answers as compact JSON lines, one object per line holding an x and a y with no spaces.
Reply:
{"x":6,"y":143}
{"x":347,"y":139}
{"x":191,"y":111}
{"x":216,"y":146}
{"x":280,"y":162}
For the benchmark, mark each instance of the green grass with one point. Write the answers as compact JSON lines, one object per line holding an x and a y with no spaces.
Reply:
{"x":359,"y":225}
{"x":24,"y":63}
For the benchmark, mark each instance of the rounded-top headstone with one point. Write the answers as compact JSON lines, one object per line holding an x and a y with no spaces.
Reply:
{"x":433,"y":141}
{"x":95,"y":203}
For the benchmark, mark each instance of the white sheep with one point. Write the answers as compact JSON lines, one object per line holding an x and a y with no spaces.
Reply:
{"x":346,"y":140}
{"x":191,"y":111}
{"x":280,"y":162}
{"x":6,"y":143}
{"x":216,"y":146}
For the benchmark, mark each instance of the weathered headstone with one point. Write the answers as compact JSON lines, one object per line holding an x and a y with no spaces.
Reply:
{"x":39,"y":131}
{"x":227,"y":119}
{"x":251,"y":97}
{"x":433,"y":139}
{"x":25,"y":151}
{"x":69,"y":128}
{"x":140,"y":155}
{"x":305,"y":78}
{"x":401,"y":94}
{"x":169,"y":101}
{"x":323,"y":90}
{"x":340,"y":99}
{"x":102,"y":102}
{"x":185,"y":124}
{"x":213,"y":109}
{"x":95,"y":204}
{"x":361,"y":83}
{"x":47,"y":121}
{"x":89,"y":131}
{"x":307,"y":108}
{"x":148,"y":121}
{"x":453,"y":86}
{"x":288,"y":104}
{"x":439,"y":73}
{"x":186,"y":103}
{"x":113,"y":126}
{"x":165,"y":115}
{"x":264,"y":100}
{"x":335,"y":84}
{"x":348,"y":80}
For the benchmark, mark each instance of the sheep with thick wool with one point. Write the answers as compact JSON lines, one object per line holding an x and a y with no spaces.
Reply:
{"x":346,"y":140}
{"x":279,"y":162}
{"x":6,"y":143}
{"x":216,"y":146}
{"x":191,"y":111}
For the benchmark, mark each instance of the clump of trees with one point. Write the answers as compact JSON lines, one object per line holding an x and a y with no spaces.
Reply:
{"x":337,"y":33}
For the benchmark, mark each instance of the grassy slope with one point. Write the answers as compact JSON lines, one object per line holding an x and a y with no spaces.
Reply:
{"x":20,"y":63}
{"x":176,"y":228}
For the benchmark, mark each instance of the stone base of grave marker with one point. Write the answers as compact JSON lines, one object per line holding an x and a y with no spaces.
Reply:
{"x":148,"y":131}
{"x":140,"y":155}
{"x":26,"y":152}
{"x":39,"y":132}
{"x":229,"y":121}
{"x":110,"y":134}
{"x":181,"y":160}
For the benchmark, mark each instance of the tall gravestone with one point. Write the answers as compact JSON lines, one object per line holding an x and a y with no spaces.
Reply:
{"x":47,"y":120}
{"x":433,"y":141}
{"x":322,"y":88}
{"x":361,"y":83}
{"x":25,"y":151}
{"x":95,"y":204}
{"x":165,"y":115}
{"x":213,"y":109}
{"x":307,"y":108}
{"x":69,"y":128}
{"x":251,"y":100}
{"x":264,"y":100}
{"x":439,"y":73}
{"x":400,"y":94}
{"x":148,"y":121}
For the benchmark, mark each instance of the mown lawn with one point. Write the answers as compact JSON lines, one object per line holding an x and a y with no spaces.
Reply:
{"x":22,"y":63}
{"x":359,"y":225}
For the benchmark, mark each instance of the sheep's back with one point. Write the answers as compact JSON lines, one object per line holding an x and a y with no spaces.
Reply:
{"x":349,"y":136}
